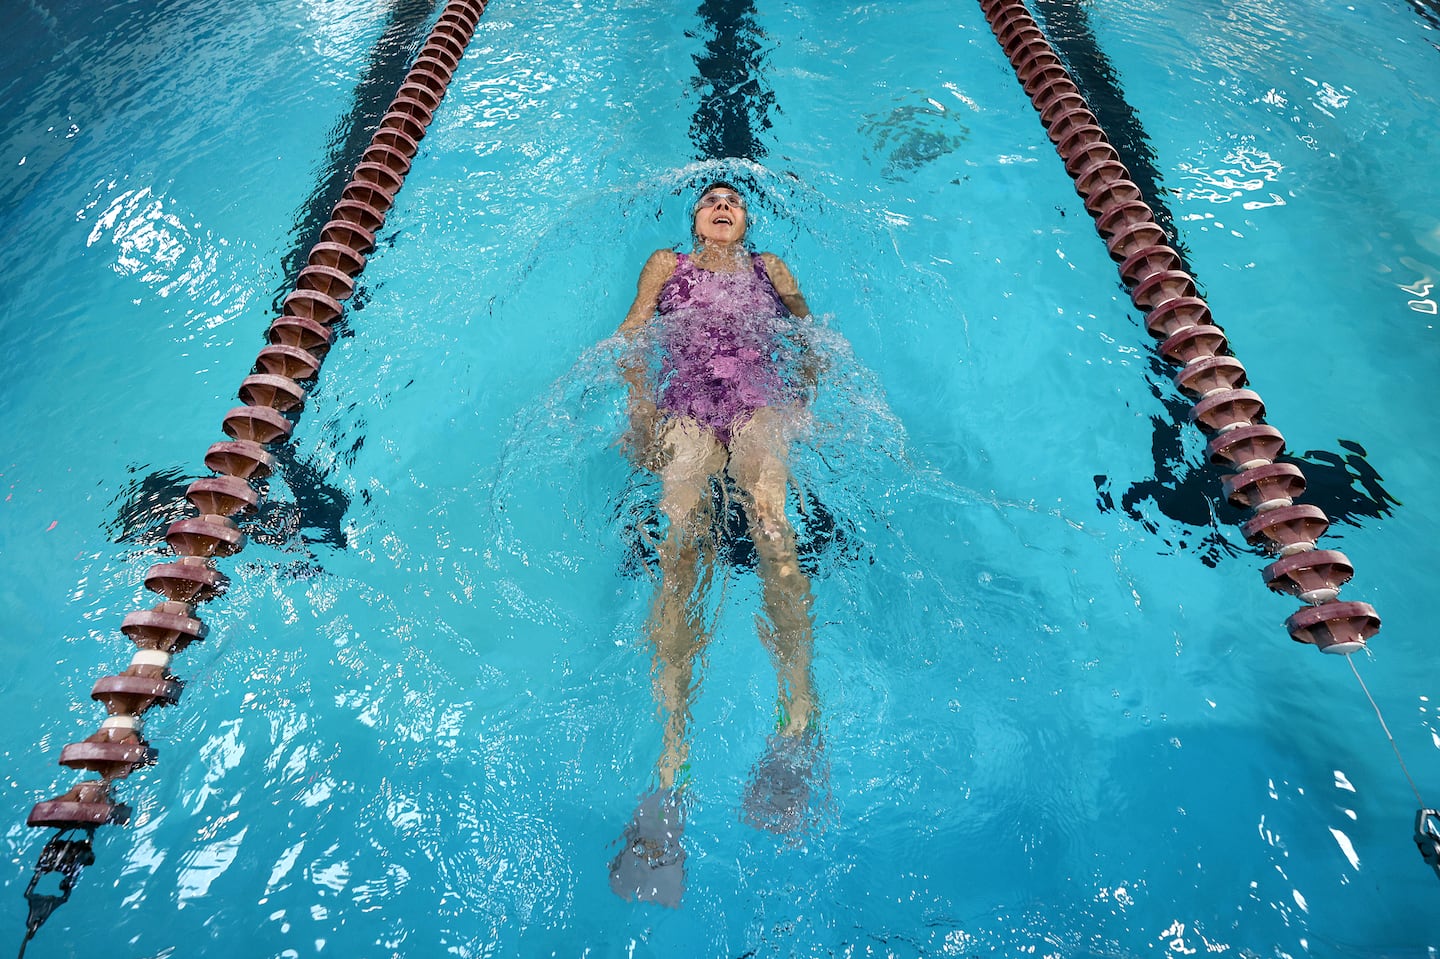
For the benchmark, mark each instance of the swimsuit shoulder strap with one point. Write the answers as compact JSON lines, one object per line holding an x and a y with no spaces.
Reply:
{"x":763,"y":275}
{"x":757,"y":263}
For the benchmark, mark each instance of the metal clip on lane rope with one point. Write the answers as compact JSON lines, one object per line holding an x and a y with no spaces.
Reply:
{"x":1427,"y":837}
{"x":65,"y":857}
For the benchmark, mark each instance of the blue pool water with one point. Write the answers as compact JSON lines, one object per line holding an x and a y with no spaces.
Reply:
{"x":1062,"y":715}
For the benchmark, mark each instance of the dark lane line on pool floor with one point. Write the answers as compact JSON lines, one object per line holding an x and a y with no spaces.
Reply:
{"x":735,"y":102}
{"x":149,"y":503}
{"x":1344,"y":483}
{"x":1429,"y":11}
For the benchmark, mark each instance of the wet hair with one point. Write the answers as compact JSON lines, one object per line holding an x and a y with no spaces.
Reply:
{"x":718,"y":185}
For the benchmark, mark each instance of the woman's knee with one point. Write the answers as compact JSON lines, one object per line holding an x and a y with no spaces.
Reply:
{"x":683,"y":505}
{"x":770,"y":528}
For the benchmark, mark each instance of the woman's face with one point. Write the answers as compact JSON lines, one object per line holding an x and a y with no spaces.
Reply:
{"x":720,"y":217}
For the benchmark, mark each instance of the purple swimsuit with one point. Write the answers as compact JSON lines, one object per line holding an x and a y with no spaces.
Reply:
{"x":726,"y":346}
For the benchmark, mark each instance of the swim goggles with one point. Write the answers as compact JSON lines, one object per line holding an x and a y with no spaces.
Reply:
{"x":714,"y":199}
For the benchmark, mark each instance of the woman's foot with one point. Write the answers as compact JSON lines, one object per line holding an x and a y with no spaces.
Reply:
{"x":779,"y":797}
{"x":650,"y":866}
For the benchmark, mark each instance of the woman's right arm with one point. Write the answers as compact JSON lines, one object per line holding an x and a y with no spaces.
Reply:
{"x":656,"y":271}
{"x":634,"y":365}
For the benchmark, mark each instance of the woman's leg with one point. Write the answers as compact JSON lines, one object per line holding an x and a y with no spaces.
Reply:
{"x":759,"y":465}
{"x":692,"y":457}
{"x":650,"y":865}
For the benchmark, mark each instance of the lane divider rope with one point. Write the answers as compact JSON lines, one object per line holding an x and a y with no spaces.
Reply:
{"x":271,"y":398}
{"x":1232,"y":416}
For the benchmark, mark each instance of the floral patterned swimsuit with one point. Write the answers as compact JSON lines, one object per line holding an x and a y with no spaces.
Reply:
{"x":727,"y":346}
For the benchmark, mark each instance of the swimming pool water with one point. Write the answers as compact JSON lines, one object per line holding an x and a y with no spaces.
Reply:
{"x":1061,"y":711}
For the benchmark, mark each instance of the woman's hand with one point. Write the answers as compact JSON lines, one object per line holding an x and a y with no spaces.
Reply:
{"x":640,"y":441}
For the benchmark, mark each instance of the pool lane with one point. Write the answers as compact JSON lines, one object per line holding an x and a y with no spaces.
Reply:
{"x":1342,"y":483}
{"x":317,"y":514}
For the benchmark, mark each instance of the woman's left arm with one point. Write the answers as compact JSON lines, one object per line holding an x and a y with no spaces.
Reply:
{"x":785,"y":284}
{"x":812,"y":364}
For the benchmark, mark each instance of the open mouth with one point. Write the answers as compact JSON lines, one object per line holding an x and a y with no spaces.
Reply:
{"x":723,"y":219}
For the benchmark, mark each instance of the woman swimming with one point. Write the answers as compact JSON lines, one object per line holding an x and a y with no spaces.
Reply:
{"x":720,"y":394}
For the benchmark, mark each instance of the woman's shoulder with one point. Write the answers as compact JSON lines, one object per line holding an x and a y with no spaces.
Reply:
{"x":663,"y":259}
{"x":774,"y":266}
{"x":658,"y":268}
